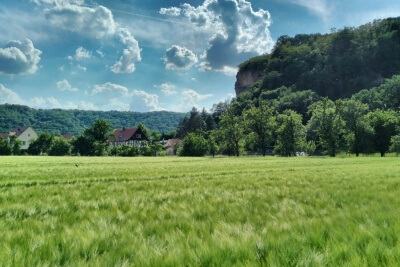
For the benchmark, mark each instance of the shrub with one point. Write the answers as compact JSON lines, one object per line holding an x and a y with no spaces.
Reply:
{"x":193,"y":145}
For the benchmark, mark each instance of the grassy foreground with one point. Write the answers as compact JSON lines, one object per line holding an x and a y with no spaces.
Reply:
{"x":199,"y":211}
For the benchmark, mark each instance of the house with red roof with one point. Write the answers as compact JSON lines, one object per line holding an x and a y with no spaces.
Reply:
{"x":128,"y":136}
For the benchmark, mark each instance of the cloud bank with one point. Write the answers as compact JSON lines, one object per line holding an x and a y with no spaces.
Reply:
{"x":238,"y":32}
{"x":19,"y":58}
{"x":96,"y":22}
{"x":93,"y":22}
{"x":167,"y":89}
{"x":179,"y":58}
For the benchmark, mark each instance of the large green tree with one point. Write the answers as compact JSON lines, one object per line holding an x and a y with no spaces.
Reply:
{"x":60,"y":147}
{"x":327,"y":123}
{"x":291,"y":134}
{"x":359,"y":131}
{"x":42,"y":144}
{"x":194,"y":145}
{"x":231,"y":131}
{"x":5,"y":148}
{"x":260,"y":121}
{"x":384,"y":125}
{"x":93,"y":142}
{"x":194,"y":123}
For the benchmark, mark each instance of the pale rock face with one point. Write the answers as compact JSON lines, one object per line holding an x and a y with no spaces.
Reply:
{"x":245,"y":79}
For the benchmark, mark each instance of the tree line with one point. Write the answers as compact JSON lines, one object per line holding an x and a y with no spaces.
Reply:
{"x":367,"y":123}
{"x":58,"y":121}
{"x":92,"y":142}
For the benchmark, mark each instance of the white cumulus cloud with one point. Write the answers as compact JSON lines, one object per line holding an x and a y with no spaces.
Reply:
{"x":8,"y":96}
{"x":237,"y":31}
{"x":80,"y":54}
{"x":111,"y":88}
{"x":179,"y":58}
{"x":93,"y":22}
{"x":19,"y":58}
{"x":171,"y":11}
{"x":143,"y":101}
{"x":44,"y":103}
{"x":64,"y":85}
{"x":130,"y":55}
{"x":190,"y":98}
{"x":167,"y":88}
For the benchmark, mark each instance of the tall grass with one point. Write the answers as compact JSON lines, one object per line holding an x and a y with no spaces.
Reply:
{"x":203,"y":211}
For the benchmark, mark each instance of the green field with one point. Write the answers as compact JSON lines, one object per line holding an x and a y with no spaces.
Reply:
{"x":199,"y":211}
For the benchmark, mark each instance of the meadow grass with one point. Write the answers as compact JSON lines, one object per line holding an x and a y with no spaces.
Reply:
{"x":199,"y":211}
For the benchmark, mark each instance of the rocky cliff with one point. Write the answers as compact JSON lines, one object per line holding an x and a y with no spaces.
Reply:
{"x":244,"y":80}
{"x":250,"y":71}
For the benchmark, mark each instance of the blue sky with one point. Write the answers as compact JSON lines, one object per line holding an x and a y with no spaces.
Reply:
{"x":150,"y":55}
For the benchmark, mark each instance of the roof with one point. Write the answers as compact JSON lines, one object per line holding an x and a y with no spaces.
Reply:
{"x":19,"y":130}
{"x":67,"y":136}
{"x":4,"y":136}
{"x":172,"y":143}
{"x":123,"y":135}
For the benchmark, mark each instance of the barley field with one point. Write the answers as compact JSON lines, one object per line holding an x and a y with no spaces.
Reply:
{"x":250,"y":211}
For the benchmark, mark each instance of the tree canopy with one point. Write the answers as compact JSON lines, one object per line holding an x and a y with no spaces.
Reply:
{"x":58,"y":121}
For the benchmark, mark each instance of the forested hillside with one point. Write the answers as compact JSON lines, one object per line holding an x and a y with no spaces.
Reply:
{"x":313,"y":94}
{"x":334,"y":65}
{"x":59,"y":121}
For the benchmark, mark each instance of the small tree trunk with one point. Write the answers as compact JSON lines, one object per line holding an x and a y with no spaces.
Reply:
{"x":237,"y":149}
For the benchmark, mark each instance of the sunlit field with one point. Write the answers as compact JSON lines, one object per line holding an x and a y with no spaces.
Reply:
{"x":199,"y":211}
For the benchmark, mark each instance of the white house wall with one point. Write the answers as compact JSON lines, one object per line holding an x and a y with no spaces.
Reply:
{"x":26,"y":137}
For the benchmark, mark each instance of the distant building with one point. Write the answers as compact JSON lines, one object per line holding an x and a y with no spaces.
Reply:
{"x":67,"y":136}
{"x":128,"y":136}
{"x":171,"y":145}
{"x":25,"y":134}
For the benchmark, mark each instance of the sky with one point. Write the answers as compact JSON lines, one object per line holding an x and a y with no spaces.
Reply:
{"x":151,"y":55}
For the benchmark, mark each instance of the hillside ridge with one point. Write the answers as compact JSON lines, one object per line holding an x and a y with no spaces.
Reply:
{"x":335,"y":65}
{"x":59,"y":121}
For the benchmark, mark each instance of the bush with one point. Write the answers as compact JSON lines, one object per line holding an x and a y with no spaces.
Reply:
{"x":395,"y":144}
{"x":193,"y":145}
{"x":60,"y":147}
{"x":125,"y":151}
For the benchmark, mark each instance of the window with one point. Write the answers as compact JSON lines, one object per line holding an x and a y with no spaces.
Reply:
{"x":24,"y":143}
{"x":138,"y":136}
{"x":29,"y":135}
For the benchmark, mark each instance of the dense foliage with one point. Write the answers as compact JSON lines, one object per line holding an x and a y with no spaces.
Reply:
{"x":335,"y":65}
{"x":57,"y":121}
{"x":338,"y":92}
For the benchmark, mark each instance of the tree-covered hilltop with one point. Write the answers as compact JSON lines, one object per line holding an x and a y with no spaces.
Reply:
{"x":318,"y":94}
{"x":58,"y":121}
{"x":334,"y":65}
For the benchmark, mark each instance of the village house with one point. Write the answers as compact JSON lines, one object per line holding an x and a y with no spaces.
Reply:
{"x":171,"y":146}
{"x":67,"y":137}
{"x":25,"y":134}
{"x":128,"y":136}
